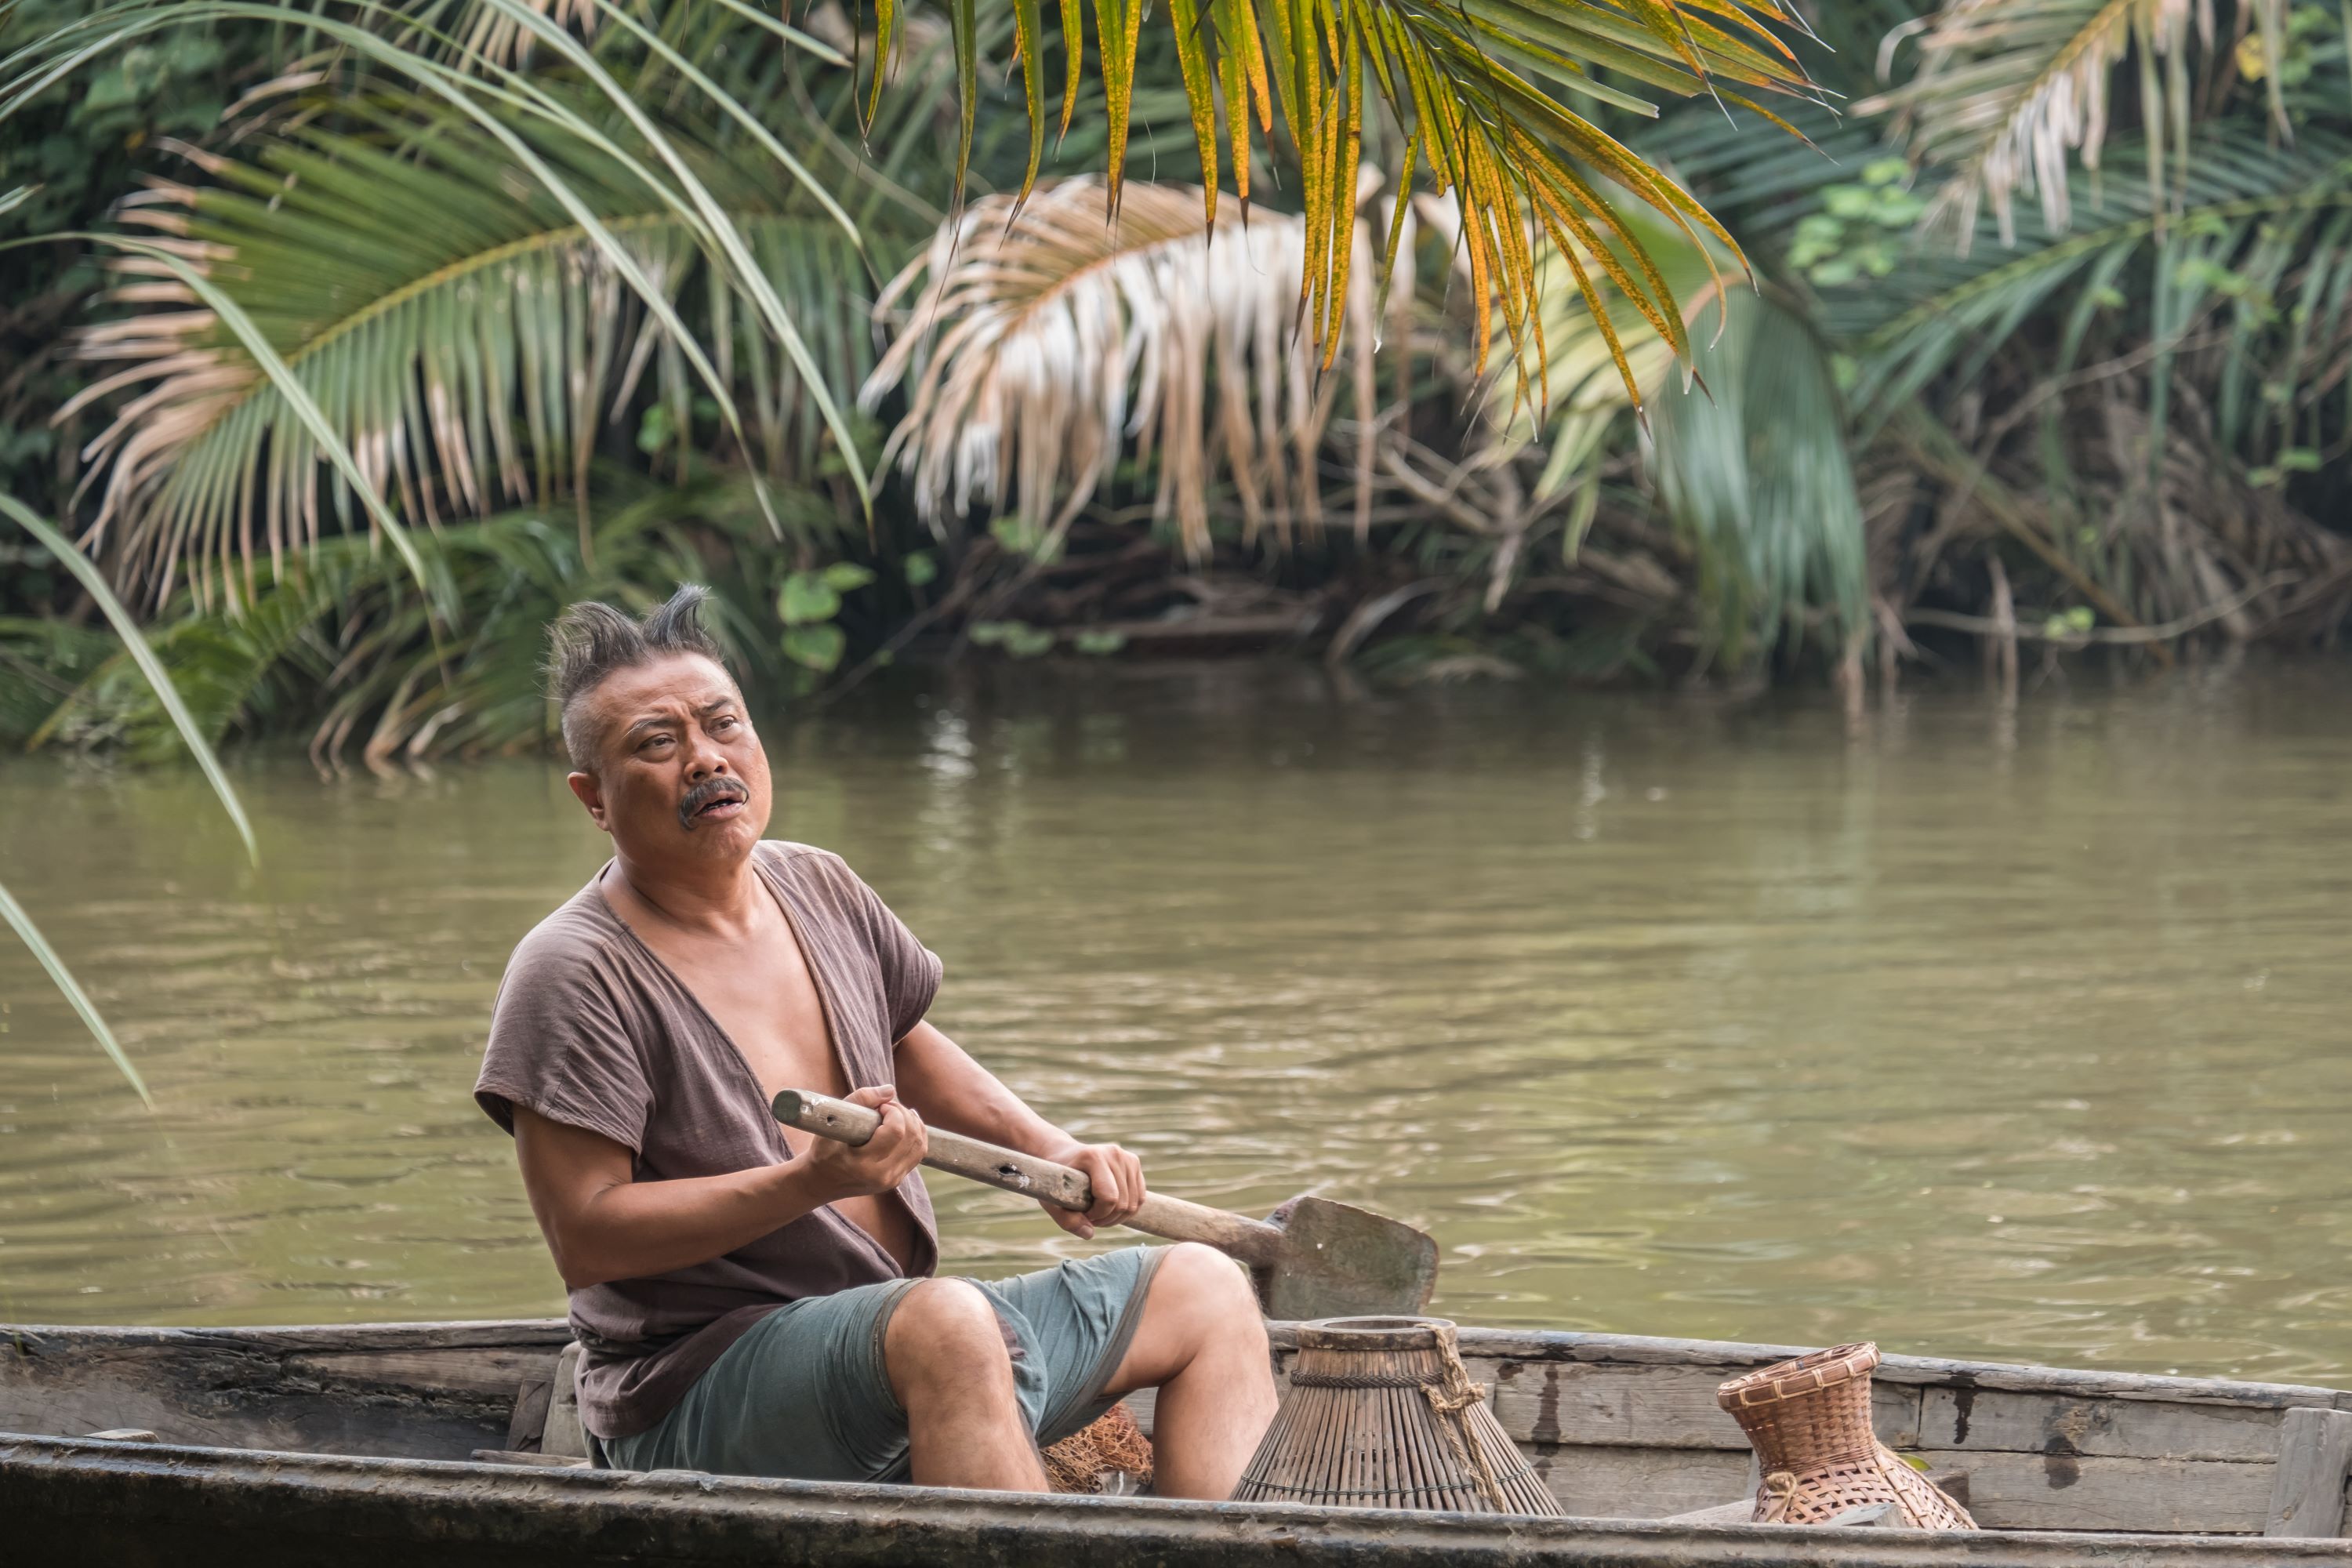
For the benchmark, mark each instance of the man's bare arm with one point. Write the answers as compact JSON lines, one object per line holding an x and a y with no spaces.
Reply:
{"x":939,"y":1078}
{"x":601,"y":1224}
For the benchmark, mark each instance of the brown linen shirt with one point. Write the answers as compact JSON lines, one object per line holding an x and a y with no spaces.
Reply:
{"x":592,"y":1030}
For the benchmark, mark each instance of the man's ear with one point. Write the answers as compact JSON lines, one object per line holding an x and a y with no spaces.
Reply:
{"x":592,"y":795}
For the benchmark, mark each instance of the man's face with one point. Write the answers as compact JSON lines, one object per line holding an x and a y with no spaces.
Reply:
{"x":679,"y":775}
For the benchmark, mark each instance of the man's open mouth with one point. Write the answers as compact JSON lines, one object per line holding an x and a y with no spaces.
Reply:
{"x":714,"y":801}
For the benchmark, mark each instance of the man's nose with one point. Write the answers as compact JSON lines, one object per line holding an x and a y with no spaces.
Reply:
{"x":704,"y":759}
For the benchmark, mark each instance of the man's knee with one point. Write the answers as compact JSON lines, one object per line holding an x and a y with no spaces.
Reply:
{"x":944,"y":1331}
{"x":1213,"y":1294}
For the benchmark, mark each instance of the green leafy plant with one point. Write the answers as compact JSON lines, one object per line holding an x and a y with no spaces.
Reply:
{"x":1861,"y":228}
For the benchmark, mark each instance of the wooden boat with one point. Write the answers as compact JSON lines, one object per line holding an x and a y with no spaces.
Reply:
{"x":358,"y":1446}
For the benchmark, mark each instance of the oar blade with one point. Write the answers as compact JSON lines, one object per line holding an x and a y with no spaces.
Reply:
{"x":1340,"y":1261}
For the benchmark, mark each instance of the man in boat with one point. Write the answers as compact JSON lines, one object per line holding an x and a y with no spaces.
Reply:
{"x":752,"y":1303}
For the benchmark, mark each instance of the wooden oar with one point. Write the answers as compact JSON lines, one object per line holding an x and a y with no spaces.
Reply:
{"x":1311,"y":1257}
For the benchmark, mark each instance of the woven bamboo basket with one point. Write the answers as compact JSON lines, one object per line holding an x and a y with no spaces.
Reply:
{"x":1381,"y":1414}
{"x":1810,"y":1421}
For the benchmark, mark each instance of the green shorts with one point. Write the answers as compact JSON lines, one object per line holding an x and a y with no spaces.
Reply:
{"x":803,"y":1395}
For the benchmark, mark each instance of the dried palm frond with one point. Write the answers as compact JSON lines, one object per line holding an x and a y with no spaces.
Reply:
{"x":2006,"y":90}
{"x":1050,"y":335}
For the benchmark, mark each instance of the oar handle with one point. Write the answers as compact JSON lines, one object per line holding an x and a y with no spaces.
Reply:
{"x":1251,"y":1240}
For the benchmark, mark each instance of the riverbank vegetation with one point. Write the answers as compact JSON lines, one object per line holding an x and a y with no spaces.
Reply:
{"x":410,"y":325}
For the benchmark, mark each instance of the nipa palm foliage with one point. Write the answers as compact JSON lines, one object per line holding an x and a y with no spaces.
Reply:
{"x":1051,"y":335}
{"x":2008,"y":93}
{"x":485,"y":251}
{"x":1461,"y":82}
{"x":455,"y":322}
{"x":585,"y":204}
{"x":467,"y":300}
{"x":1747,"y":454}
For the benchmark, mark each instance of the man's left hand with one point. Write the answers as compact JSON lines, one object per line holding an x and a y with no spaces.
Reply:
{"x":1116,"y":1177}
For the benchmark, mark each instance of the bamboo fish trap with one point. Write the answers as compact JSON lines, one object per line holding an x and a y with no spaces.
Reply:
{"x":1810,"y":1421}
{"x":1381,"y":1414}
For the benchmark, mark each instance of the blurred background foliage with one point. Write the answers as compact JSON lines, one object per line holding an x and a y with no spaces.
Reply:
{"x":663,"y":292}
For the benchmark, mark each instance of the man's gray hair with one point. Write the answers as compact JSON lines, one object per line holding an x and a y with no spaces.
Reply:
{"x":591,"y":640}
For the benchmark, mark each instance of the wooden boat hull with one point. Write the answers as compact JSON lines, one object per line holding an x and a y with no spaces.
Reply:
{"x":133,"y":1505}
{"x":350,"y":1444}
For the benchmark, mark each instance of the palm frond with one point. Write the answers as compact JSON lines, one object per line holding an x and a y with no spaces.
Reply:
{"x":1581,"y":396}
{"x":456,"y":325}
{"x":13,"y":914}
{"x":1748,"y":453}
{"x":11,"y":911}
{"x":1463,"y":82}
{"x":2008,"y":92}
{"x":94,"y":582}
{"x":1052,"y":334}
{"x":2258,"y":236}
{"x":1755,"y":470}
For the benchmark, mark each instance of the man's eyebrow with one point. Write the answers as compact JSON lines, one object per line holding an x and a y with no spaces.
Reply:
{"x":649,"y":718}
{"x":712,"y":706}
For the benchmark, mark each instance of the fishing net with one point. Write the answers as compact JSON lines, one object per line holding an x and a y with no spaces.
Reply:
{"x":1094,"y":1459}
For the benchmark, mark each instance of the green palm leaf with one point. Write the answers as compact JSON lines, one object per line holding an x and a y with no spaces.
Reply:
{"x":10,"y":910}
{"x":2257,"y":233}
{"x":1749,"y":454}
{"x":465,"y":341}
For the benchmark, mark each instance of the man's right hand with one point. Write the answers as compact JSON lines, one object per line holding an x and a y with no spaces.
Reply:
{"x":878,"y":1164}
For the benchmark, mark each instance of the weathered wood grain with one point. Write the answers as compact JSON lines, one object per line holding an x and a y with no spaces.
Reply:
{"x":1977,"y":1419}
{"x":489,"y":1333}
{"x":1618,"y":1482}
{"x":426,"y":1390}
{"x":1550,"y":1345}
{"x":2062,"y":1491}
{"x":1741,"y":1512}
{"x":494,"y":1369}
{"x":1658,"y":1406}
{"x":220,"y":1508}
{"x":530,"y":1417}
{"x":563,"y":1434}
{"x":2307,"y":1482}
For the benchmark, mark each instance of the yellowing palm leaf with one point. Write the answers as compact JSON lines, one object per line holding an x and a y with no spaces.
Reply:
{"x":1461,"y":80}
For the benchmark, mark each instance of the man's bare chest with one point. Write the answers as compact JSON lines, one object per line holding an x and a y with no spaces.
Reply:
{"x":760,"y":992}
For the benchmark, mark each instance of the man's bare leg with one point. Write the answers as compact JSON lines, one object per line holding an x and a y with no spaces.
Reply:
{"x":948,"y":1364}
{"x":1202,"y":1343}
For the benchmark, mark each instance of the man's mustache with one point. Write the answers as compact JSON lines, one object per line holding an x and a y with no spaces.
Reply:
{"x":704,"y":794}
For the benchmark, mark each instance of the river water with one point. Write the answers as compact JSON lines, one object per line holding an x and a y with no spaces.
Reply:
{"x":2012,"y":1035}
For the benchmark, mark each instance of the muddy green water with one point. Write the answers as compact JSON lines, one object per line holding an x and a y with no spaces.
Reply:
{"x":2017,"y":1037}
